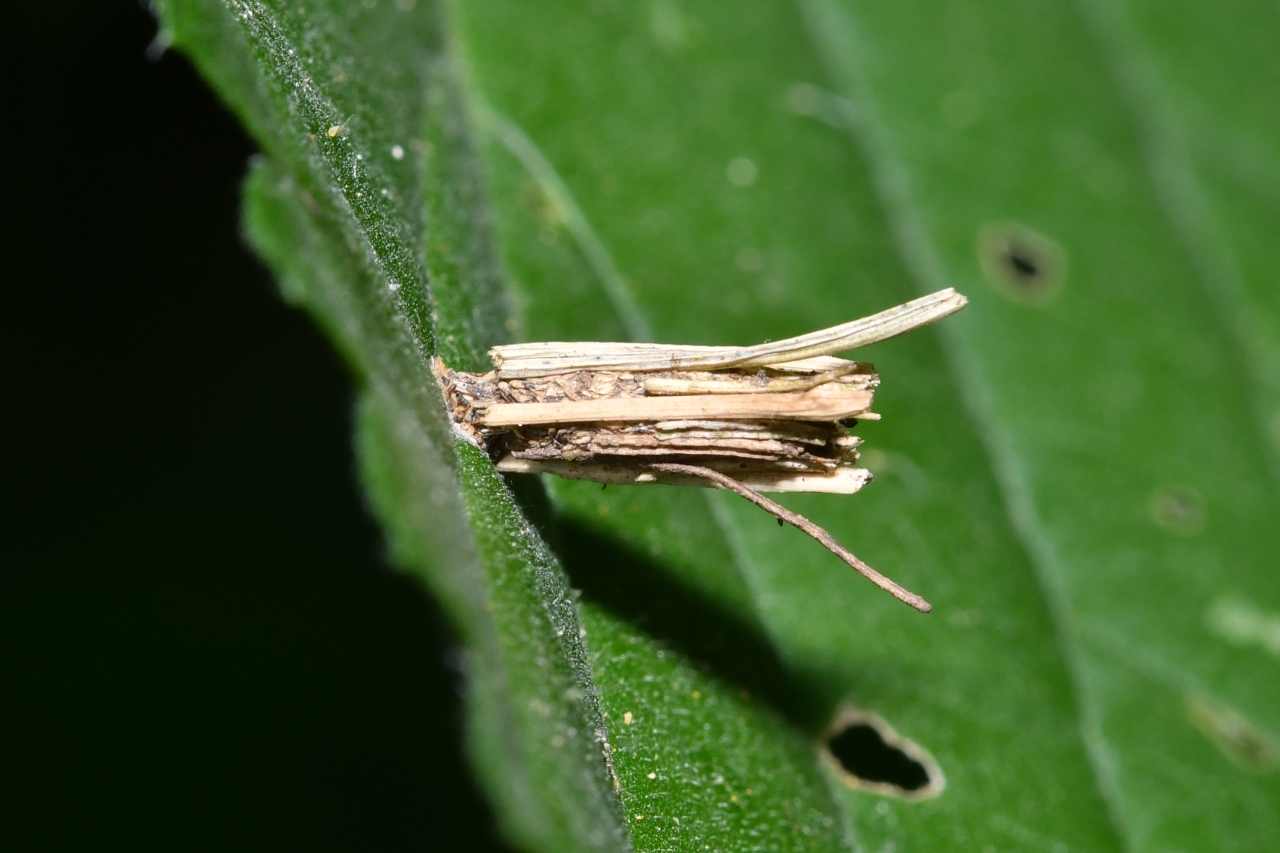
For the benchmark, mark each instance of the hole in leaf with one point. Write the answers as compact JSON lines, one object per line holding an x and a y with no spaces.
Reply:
{"x":1021,"y":263}
{"x":869,"y":755}
{"x":862,"y":752}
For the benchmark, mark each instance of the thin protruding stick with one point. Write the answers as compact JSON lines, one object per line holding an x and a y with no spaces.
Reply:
{"x":784,"y":514}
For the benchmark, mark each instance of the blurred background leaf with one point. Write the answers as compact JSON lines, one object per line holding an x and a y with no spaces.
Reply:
{"x":1080,"y":471}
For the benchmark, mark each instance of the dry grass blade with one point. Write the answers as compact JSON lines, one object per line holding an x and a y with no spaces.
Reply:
{"x":551,"y":357}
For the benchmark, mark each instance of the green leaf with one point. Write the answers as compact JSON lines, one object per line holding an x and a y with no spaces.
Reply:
{"x":1079,"y":471}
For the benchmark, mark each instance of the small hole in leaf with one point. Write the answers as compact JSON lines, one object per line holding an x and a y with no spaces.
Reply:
{"x":1021,"y":263}
{"x":869,"y":755}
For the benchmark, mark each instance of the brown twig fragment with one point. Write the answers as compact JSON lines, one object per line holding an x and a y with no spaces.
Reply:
{"x":784,"y":514}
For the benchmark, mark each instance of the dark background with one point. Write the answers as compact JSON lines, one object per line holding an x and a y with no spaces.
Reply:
{"x":201,"y":643}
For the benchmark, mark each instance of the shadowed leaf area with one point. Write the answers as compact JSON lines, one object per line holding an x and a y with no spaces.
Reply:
{"x":690,"y":622}
{"x":1080,"y":471}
